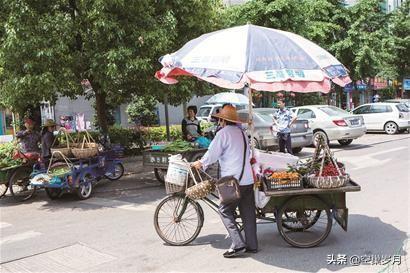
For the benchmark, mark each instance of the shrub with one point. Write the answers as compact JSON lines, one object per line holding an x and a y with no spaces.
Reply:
{"x":131,"y":139}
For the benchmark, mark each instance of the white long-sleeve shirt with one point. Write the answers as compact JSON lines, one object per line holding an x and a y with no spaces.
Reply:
{"x":227,"y":148}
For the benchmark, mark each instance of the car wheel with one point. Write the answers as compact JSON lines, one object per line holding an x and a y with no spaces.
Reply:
{"x":319,"y":134}
{"x":256,"y":143}
{"x":391,"y":128}
{"x":297,"y":150}
{"x":345,"y":142}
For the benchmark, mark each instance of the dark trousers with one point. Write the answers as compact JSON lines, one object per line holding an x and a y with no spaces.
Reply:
{"x":247,"y":212}
{"x":285,"y":141}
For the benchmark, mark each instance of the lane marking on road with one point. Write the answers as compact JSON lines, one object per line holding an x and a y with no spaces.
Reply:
{"x":109,"y":203}
{"x":387,"y":151}
{"x":19,"y":237}
{"x":4,"y":225}
{"x":368,"y":160}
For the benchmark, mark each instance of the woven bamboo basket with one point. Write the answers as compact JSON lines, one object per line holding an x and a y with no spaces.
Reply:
{"x":88,"y":147}
{"x":61,"y":150}
{"x":328,"y":182}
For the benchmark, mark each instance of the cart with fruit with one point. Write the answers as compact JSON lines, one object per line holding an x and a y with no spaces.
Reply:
{"x":15,"y":170}
{"x":77,"y":175}
{"x":302,"y":200}
{"x":158,"y":155}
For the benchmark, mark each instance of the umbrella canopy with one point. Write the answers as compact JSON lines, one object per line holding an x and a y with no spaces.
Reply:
{"x":228,"y":97}
{"x":262,"y":58}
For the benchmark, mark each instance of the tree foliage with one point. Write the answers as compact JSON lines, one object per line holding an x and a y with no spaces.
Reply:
{"x":49,"y":47}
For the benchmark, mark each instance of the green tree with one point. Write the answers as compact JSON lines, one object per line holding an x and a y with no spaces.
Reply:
{"x":142,"y":109}
{"x":396,"y":44}
{"x":359,"y":46}
{"x":49,"y":47}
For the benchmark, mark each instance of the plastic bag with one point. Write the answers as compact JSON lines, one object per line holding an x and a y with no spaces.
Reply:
{"x":203,"y":142}
{"x":261,"y":199}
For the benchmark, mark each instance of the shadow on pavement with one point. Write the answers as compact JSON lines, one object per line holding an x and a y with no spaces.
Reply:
{"x":131,"y":190}
{"x":366,"y":236}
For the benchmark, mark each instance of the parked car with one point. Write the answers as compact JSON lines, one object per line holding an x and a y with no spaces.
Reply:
{"x":332,"y":123}
{"x":265,"y":139}
{"x":206,"y":111}
{"x":385,"y":116}
{"x":404,"y":101}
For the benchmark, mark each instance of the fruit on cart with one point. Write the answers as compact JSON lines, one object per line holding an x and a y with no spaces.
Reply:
{"x":179,"y":146}
{"x":330,"y":170}
{"x":59,"y":171}
{"x":285,"y":175}
{"x":6,"y":156}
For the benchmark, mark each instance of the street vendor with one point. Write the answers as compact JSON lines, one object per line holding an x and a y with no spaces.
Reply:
{"x":29,"y":139}
{"x":283,"y":119}
{"x":228,"y":149}
{"x":191,"y":126}
{"x":47,"y":139}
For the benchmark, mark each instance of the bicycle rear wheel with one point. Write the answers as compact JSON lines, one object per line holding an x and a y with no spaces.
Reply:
{"x":19,"y":184}
{"x":178,"y":220}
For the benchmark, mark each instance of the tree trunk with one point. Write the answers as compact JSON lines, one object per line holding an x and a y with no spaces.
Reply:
{"x":100,"y":107}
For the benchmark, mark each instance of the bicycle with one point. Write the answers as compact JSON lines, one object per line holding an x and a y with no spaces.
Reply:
{"x":303,"y":216}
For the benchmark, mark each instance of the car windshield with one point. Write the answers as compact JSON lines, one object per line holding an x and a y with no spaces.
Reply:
{"x":402,"y":107}
{"x":265,"y":115}
{"x":333,"y":111}
{"x":204,"y":111}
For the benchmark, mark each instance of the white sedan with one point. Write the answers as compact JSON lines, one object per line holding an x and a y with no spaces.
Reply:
{"x":332,"y":123}
{"x":384,"y":116}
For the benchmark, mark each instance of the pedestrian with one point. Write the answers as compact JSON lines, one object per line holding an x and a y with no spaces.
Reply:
{"x":47,"y":140}
{"x":228,"y":148}
{"x":283,"y":119}
{"x":29,"y":139}
{"x":191,"y":126}
{"x":375,"y":98}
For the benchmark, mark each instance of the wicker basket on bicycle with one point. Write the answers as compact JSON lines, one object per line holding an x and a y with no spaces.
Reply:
{"x":87,"y":148}
{"x":62,"y":149}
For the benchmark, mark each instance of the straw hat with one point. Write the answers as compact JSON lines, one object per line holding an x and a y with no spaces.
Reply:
{"x":49,"y":123}
{"x":228,"y":113}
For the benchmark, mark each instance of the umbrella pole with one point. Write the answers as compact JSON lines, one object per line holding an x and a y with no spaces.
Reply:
{"x":250,"y":124}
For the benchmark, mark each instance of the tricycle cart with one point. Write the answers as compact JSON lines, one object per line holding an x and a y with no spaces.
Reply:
{"x":16,"y":179}
{"x":303,"y":216}
{"x":77,"y":176}
{"x":159,"y":160}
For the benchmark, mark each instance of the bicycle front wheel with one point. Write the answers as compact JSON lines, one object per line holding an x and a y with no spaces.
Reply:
{"x":178,"y":220}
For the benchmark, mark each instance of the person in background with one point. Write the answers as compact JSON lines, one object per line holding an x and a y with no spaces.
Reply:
{"x":47,"y":140}
{"x":29,"y":139}
{"x":376,"y":98}
{"x":228,"y":149}
{"x":191,"y":126}
{"x":283,"y":119}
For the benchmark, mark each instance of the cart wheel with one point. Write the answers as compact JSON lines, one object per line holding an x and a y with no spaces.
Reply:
{"x":3,"y":189}
{"x":118,"y":172}
{"x":311,"y":215}
{"x":309,"y":226}
{"x":19,"y":184}
{"x":160,"y":174}
{"x":178,"y":220}
{"x":86,"y":187}
{"x":53,"y":193}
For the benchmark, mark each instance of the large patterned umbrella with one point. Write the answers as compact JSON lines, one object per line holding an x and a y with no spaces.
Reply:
{"x":262,"y":58}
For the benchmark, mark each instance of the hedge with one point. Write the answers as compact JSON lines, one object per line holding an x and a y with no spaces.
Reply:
{"x":130,"y":138}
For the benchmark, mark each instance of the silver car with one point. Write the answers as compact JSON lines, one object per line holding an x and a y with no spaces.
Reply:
{"x":332,"y":123}
{"x":265,"y":139}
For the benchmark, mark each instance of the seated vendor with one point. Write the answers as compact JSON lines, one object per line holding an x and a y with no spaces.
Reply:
{"x":47,"y":139}
{"x":191,"y":126}
{"x":29,"y":139}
